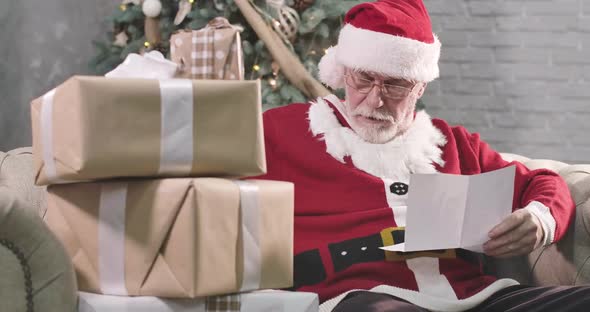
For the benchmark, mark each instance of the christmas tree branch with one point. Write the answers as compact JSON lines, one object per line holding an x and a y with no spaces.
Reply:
{"x":289,"y":63}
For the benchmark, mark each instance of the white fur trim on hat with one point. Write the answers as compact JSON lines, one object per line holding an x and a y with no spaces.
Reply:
{"x":330,"y":71}
{"x":389,"y":55}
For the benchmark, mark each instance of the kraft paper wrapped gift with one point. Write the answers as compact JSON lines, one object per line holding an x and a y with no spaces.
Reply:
{"x":258,"y":301}
{"x":177,"y":238}
{"x":213,"y":52}
{"x":93,"y":128}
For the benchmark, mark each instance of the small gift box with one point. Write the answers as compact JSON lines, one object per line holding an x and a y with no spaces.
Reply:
{"x":214,"y":52}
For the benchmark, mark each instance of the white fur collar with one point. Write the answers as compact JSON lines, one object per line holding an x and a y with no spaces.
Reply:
{"x":413,"y":152}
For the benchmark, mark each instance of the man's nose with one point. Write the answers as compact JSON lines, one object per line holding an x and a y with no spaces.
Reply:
{"x":374,"y":97}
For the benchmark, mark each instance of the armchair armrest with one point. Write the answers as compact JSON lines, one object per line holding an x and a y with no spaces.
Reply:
{"x":36,"y":272}
{"x":566,"y":262}
{"x":16,"y":173}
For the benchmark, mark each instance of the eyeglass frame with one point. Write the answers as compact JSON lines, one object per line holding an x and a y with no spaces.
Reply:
{"x":381,"y":86}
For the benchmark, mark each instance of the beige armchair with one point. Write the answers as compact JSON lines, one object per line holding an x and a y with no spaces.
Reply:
{"x":52,"y":279}
{"x":35,"y":272}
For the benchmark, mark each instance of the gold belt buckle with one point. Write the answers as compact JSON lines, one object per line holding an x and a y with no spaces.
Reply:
{"x":388,"y":240}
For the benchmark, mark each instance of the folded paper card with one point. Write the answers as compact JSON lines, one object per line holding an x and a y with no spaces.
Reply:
{"x":455,"y":211}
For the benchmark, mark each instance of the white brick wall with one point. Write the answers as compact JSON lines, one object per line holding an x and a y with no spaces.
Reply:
{"x":517,"y":72}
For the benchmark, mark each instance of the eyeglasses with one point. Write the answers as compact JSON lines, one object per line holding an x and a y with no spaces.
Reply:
{"x":365,"y":86}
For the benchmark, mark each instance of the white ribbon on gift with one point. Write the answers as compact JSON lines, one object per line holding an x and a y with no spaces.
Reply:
{"x":250,"y":211}
{"x":176,"y":149}
{"x":47,"y":136}
{"x":111,"y":237}
{"x":176,"y":98}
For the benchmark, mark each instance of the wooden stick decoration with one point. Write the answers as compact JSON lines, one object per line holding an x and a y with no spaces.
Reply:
{"x":289,"y":63}
{"x":152,"y":30}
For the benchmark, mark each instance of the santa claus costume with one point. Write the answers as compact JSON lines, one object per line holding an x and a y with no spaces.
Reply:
{"x":350,"y":195}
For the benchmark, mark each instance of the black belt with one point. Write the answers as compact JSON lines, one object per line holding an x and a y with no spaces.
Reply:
{"x":309,"y":268}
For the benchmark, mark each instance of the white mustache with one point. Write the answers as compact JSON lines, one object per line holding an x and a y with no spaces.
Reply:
{"x":367,"y":113}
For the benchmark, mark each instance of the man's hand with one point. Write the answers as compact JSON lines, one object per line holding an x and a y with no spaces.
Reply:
{"x":519,"y":234}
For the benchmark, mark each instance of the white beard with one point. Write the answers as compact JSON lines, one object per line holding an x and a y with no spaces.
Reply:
{"x":375,"y":135}
{"x":414,"y":151}
{"x":379,"y":134}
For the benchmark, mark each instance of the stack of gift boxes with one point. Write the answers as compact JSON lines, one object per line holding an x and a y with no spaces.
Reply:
{"x":147,"y":194}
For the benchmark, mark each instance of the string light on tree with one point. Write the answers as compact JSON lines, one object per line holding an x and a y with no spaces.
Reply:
{"x":272,"y":82}
{"x":124,"y":4}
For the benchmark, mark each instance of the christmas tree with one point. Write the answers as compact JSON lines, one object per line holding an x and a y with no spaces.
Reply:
{"x":306,"y":27}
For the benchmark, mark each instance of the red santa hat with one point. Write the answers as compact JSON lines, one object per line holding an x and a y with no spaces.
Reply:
{"x":390,"y":37}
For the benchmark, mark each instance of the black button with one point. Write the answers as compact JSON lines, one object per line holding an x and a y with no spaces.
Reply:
{"x":399,"y":188}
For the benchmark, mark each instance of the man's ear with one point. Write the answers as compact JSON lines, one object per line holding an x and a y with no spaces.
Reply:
{"x":422,"y":89}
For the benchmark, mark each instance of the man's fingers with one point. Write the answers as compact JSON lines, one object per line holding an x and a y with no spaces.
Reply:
{"x":516,"y":235}
{"x":524,"y":234}
{"x":512,"y":221}
{"x":513,"y":248}
{"x":506,"y":255}
{"x":512,"y":251}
